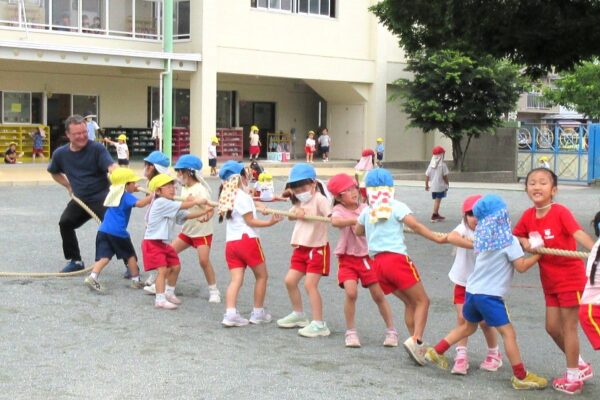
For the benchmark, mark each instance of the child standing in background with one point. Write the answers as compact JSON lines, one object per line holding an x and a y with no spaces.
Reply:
{"x":38,"y":137}
{"x":212,"y":155}
{"x":242,"y":248}
{"x":310,"y":257}
{"x":309,"y":146}
{"x":563,"y":278}
{"x":379,"y":149}
{"x":437,"y":175}
{"x":325,"y":144}
{"x":589,"y":309}
{"x":122,"y":149}
{"x":354,"y":261}
{"x":462,"y":237}
{"x":498,"y":255}
{"x":364,"y":165}
{"x":254,"y":143}
{"x":383,"y":223}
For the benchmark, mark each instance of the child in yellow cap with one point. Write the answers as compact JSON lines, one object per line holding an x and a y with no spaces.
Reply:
{"x":122,"y":149}
{"x":212,"y":155}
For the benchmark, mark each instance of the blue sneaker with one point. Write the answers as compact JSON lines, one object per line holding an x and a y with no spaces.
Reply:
{"x":73,"y":266}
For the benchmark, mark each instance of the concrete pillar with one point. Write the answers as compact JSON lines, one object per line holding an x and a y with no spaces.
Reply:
{"x":376,"y":108}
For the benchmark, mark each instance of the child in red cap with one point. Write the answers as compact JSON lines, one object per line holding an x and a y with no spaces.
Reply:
{"x":437,"y":175}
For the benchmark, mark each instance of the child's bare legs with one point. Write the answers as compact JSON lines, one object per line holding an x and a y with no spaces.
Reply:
{"x":561,"y":325}
{"x":436,"y":205}
{"x":173,"y":274}
{"x":161,"y":278}
{"x":203,"y":259}
{"x":311,"y":284}
{"x":292,"y":279}
{"x":509,"y":337}
{"x":490,"y":334}
{"x":260,"y":287}
{"x":409,"y":311}
{"x":99,"y":265}
{"x":132,"y":265}
{"x":351,"y":291}
{"x":237,"y":279}
{"x":416,"y":296}
{"x":459,"y":322}
{"x":307,"y":157}
{"x":384,"y":307}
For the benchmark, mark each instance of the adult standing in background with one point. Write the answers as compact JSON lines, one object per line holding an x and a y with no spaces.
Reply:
{"x":92,"y":126}
{"x":81,"y":166}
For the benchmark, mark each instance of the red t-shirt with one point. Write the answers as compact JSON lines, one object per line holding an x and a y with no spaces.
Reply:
{"x":558,"y":273}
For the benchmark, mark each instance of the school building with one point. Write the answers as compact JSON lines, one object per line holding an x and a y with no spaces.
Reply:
{"x":284,"y":65}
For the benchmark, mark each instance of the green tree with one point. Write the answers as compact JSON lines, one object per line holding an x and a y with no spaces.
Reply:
{"x":536,"y":33}
{"x":579,"y":89}
{"x":458,"y":95}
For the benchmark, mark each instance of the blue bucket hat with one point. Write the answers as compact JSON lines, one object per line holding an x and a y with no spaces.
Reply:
{"x":379,"y":177}
{"x":189,"y":161}
{"x":230,"y":167}
{"x":302,"y":171}
{"x":488,"y":205}
{"x":493,"y":230}
{"x":158,"y":158}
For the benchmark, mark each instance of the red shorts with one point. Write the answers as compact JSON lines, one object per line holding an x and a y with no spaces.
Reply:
{"x":246,"y":252}
{"x":254,"y":150}
{"x":196,"y":242}
{"x":459,"y":294}
{"x":395,"y":272}
{"x":563,"y":299}
{"x":311,"y":260}
{"x":37,"y":152}
{"x":157,"y":254}
{"x":308,"y":150}
{"x":589,"y":318}
{"x":353,"y":268}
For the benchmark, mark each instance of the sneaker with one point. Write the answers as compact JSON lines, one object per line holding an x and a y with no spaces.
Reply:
{"x":150,"y":289}
{"x":150,"y":280}
{"x":492,"y":362}
{"x":167,"y":305}
{"x":94,"y":284}
{"x":440,"y":360}
{"x":586,"y":372}
{"x":563,"y":385}
{"x":433,"y":218}
{"x":441,"y":217}
{"x":461,"y":365}
{"x":172,"y":298}
{"x":391,"y":338}
{"x":262,"y":317}
{"x":137,"y":285}
{"x":214,"y":296}
{"x":415,"y":350}
{"x":352,"y":339}
{"x":292,"y":321}
{"x":235,"y":320}
{"x":73,"y":266}
{"x":531,"y":381}
{"x":312,"y":330}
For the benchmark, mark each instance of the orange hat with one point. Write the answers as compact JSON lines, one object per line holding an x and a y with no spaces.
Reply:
{"x":469,"y":203}
{"x":437,"y":150}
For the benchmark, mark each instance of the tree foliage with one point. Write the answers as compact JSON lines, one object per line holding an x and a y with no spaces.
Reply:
{"x":458,"y":95}
{"x":579,"y":89}
{"x":536,"y":33}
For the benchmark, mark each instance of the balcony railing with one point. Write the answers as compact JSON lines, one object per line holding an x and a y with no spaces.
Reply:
{"x":537,"y":102}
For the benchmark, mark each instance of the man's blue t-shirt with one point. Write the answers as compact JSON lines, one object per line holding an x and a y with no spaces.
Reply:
{"x":86,"y":170}
{"x":116,"y":219}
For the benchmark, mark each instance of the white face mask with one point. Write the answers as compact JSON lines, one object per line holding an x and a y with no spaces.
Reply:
{"x":304,"y":197}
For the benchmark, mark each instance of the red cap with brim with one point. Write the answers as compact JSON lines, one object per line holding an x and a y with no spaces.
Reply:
{"x":469,"y":202}
{"x":437,"y":150}
{"x":339,"y":183}
{"x":367,"y":152}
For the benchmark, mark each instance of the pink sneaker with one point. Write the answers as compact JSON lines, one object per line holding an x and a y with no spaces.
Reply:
{"x":492,"y":362}
{"x":563,"y":385}
{"x":172,"y":298}
{"x":461,"y":365}
{"x":352,"y":339}
{"x":167,"y":305}
{"x":586,"y":372}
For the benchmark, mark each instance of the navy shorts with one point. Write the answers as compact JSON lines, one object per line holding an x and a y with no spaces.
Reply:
{"x":379,"y":156}
{"x":123,"y":161}
{"x":108,"y":246}
{"x":324,"y":149}
{"x":438,"y":195}
{"x":212,"y":162}
{"x":481,"y":307}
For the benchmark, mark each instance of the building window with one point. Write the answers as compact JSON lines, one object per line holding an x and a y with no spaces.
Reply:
{"x":226,"y":109}
{"x":313,"y":7}
{"x":16,"y":107}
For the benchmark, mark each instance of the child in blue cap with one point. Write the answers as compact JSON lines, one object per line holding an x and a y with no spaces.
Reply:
{"x":310,"y":257}
{"x":499,"y":253}
{"x":383,"y":223}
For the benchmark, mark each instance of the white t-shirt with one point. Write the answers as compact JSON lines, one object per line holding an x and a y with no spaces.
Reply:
{"x":436,"y":177}
{"x":254,"y":139}
{"x":310,"y":143}
{"x":464,"y":261}
{"x":122,"y":151}
{"x":325,"y":140}
{"x":212,"y":151}
{"x":193,"y":227}
{"x":161,"y":219}
{"x":591,"y":294}
{"x":236,"y":226}
{"x":494,"y":271}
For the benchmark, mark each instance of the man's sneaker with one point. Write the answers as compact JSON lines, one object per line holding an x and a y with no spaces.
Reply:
{"x":73,"y":266}
{"x":415,"y":350}
{"x":352,"y":339}
{"x":262,"y":317}
{"x":167,"y":305}
{"x":235,"y":320}
{"x":172,"y":298}
{"x":292,"y":321}
{"x":150,"y":289}
{"x":563,"y":385}
{"x":94,"y":284}
{"x":531,"y":381}
{"x":150,"y":280}
{"x":214,"y":296}
{"x":440,"y":360}
{"x":391,"y":338}
{"x":313,"y":330}
{"x":586,"y":372}
{"x":461,"y":365}
{"x":137,"y":285}
{"x":492,"y":362}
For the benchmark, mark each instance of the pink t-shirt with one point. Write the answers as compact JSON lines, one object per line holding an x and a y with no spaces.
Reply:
{"x":349,"y":243}
{"x":312,"y":233}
